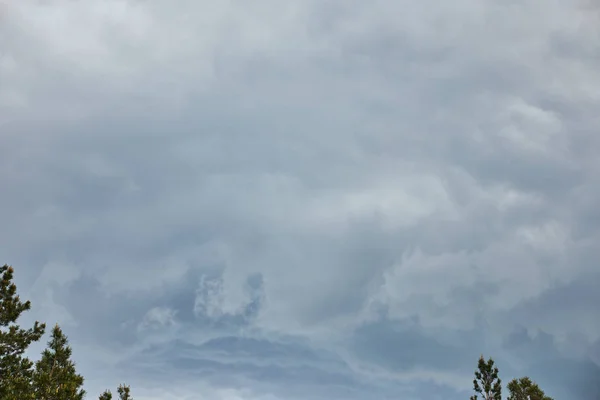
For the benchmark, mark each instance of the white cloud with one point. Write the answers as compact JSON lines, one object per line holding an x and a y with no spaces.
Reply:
{"x":158,"y":317}
{"x":301,"y":170}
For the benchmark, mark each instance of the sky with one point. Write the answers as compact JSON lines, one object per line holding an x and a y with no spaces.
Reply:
{"x":306,"y":199}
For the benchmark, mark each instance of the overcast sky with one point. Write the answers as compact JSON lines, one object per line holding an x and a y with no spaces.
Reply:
{"x":306,"y":199}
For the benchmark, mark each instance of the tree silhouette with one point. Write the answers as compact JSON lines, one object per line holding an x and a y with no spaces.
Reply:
{"x":525,"y":389}
{"x":55,"y":377}
{"x":16,"y":370}
{"x":486,"y":382}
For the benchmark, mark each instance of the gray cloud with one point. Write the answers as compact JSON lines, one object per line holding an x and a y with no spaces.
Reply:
{"x":332,"y":199}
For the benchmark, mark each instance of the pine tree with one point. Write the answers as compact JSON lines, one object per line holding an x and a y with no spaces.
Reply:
{"x":55,"y":377}
{"x":123,"y":394}
{"x":16,"y":370}
{"x":107,"y":395}
{"x":486,"y":381}
{"x":525,"y":389}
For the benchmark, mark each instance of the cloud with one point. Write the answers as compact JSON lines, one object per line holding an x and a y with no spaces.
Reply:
{"x":332,"y":199}
{"x":159,"y":317}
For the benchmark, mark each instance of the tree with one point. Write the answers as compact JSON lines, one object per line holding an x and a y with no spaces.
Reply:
{"x":123,"y":394}
{"x":16,"y":370}
{"x":107,"y":395}
{"x":525,"y":389}
{"x":55,"y":377}
{"x":486,"y":381}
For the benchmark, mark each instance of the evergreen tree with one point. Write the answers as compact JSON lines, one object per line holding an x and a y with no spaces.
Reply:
{"x":107,"y":395}
{"x":55,"y":377}
{"x":16,"y":370}
{"x":123,"y":394}
{"x":486,"y":381}
{"x":525,"y":389}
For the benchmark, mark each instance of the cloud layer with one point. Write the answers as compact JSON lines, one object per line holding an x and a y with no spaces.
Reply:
{"x":306,"y":199}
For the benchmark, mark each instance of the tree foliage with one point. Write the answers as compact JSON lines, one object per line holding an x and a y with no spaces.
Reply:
{"x":486,"y":382}
{"x":525,"y":389}
{"x":107,"y":395}
{"x":16,"y":370}
{"x":122,"y":390}
{"x":54,"y":376}
{"x":489,"y":386}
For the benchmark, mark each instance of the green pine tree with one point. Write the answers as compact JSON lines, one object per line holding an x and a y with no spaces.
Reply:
{"x":525,"y":389}
{"x":107,"y":395}
{"x":486,"y":382}
{"x":16,"y":370}
{"x":124,"y":394}
{"x":55,"y":377}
